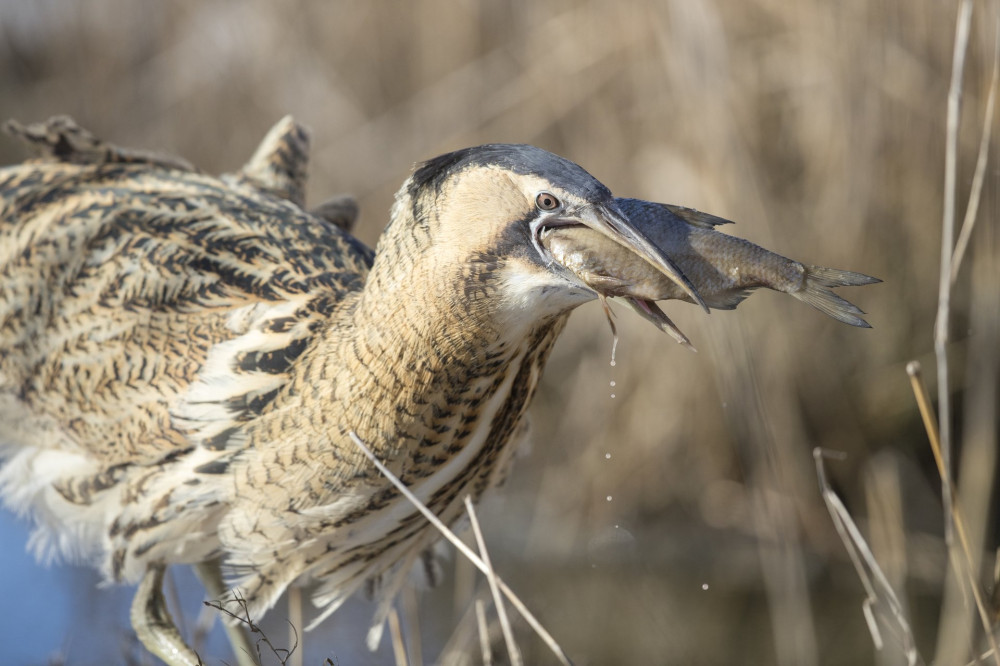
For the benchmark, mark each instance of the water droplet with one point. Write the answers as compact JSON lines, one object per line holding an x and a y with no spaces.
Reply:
{"x":609,"y":498}
{"x":612,"y":395}
{"x":607,"y":456}
{"x":612,"y":363}
{"x":704,"y":586}
{"x":616,"y":527}
{"x":614,"y":383}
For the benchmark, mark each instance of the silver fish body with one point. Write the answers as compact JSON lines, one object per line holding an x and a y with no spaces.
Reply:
{"x":723,"y":269}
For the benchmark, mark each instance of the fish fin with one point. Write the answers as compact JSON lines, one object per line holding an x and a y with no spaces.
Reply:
{"x":607,"y":285}
{"x":696,"y":218}
{"x":610,"y":314}
{"x":650,"y":212}
{"x":651,"y":312}
{"x":832,"y":277}
{"x":728,"y":299}
{"x":816,"y":293}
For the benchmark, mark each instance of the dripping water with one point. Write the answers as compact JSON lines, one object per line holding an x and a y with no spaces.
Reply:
{"x":614,"y":329}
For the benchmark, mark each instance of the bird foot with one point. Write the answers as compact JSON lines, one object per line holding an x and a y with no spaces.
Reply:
{"x":153,"y":624}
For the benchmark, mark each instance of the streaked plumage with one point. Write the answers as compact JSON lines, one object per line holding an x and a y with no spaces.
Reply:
{"x":183,"y":356}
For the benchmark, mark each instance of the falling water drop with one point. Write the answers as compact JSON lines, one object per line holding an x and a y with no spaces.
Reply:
{"x":613,"y":383}
{"x":612,"y":395}
{"x":607,"y":456}
{"x":609,"y":498}
{"x":704,"y":586}
{"x":611,"y":323}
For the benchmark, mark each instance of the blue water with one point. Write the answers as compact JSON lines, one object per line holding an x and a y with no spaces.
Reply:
{"x":63,"y":614}
{"x":40,"y":606}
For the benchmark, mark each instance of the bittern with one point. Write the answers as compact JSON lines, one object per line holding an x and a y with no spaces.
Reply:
{"x":183,"y":357}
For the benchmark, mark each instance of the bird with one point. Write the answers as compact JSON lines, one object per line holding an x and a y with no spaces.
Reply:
{"x":186,"y":360}
{"x":183,"y":358}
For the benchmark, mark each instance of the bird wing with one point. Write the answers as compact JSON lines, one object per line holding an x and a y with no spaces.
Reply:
{"x":145,"y":306}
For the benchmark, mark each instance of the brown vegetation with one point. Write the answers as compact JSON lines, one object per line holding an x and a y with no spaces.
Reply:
{"x":819,"y":127}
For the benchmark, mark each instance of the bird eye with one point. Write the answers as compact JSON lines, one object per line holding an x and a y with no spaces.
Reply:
{"x":546,"y":201}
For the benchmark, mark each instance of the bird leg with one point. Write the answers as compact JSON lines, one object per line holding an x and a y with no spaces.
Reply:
{"x":210,"y":576}
{"x":153,"y":624}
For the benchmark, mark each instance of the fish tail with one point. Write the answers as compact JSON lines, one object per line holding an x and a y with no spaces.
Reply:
{"x":832,"y":277}
{"x":816,"y":292}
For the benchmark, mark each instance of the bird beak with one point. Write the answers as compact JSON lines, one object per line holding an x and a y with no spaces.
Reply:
{"x":609,"y":222}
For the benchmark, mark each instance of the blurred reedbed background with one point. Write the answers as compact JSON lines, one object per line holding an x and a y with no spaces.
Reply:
{"x":669,"y":510}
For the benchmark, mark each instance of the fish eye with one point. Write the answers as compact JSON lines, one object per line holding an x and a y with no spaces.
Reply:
{"x":546,"y":201}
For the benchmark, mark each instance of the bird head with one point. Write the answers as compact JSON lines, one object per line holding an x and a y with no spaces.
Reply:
{"x":477,"y":218}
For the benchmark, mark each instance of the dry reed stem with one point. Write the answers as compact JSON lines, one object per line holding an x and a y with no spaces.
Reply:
{"x":947,"y":239}
{"x":464,"y":549}
{"x":491,"y":577}
{"x":770,"y":477}
{"x":411,"y":626}
{"x":949,"y":629}
{"x":923,"y":398}
{"x":982,"y":657}
{"x":975,"y":194}
{"x":295,"y":620}
{"x":454,"y":653}
{"x":886,"y":522}
{"x":927,"y":414}
{"x":464,"y":579}
{"x":879,"y":109}
{"x":211,"y":579}
{"x":245,"y":655}
{"x":979,"y":430}
{"x":873,"y":579}
{"x":484,"y":633}
{"x":398,"y":646}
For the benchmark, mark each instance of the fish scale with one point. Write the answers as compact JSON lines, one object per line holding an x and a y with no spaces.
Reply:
{"x":723,"y":269}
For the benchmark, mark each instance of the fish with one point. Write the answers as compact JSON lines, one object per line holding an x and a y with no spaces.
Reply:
{"x":723,"y":269}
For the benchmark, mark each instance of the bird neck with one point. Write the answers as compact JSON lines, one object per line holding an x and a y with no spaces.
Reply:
{"x":423,"y":326}
{"x":425,"y":356}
